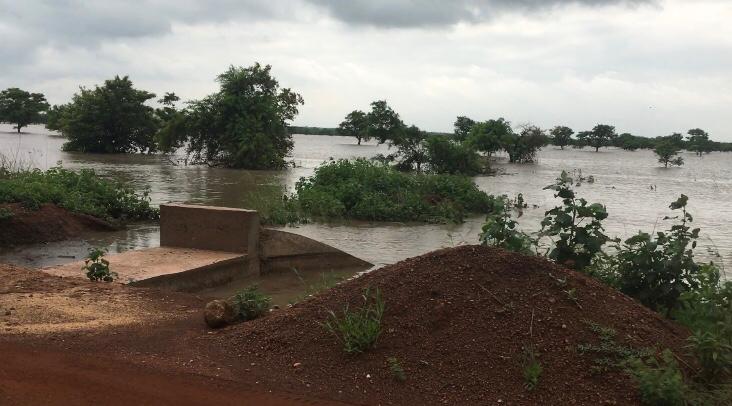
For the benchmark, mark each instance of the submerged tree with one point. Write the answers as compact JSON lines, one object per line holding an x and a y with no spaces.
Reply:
{"x":446,"y":155}
{"x":112,"y":118}
{"x":699,"y":141}
{"x":561,"y":136}
{"x":21,"y":108}
{"x":411,"y":148}
{"x":384,"y":123}
{"x":600,"y":136}
{"x":244,"y":124}
{"x":522,"y":147}
{"x":667,"y":150}
{"x":355,"y":125}
{"x":487,"y":136}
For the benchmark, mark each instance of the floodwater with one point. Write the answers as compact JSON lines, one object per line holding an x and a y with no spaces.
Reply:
{"x":635,"y":189}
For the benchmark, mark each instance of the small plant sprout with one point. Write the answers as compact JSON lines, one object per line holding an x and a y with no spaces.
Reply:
{"x":396,"y":369}
{"x":96,"y":267}
{"x":358,"y":329}
{"x":532,"y":368}
{"x":251,"y":303}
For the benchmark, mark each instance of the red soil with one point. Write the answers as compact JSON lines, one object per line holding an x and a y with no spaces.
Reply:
{"x":457,"y":320}
{"x":49,"y":223}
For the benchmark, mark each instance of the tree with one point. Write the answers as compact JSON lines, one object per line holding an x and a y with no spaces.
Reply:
{"x":561,"y":136}
{"x":172,"y":124}
{"x":108,"y":119}
{"x":600,"y":136}
{"x":244,"y":124}
{"x":487,"y":136}
{"x":667,"y":150}
{"x":21,"y":108}
{"x":384,"y":122}
{"x":355,"y":125}
{"x":448,"y":156}
{"x":522,"y":147}
{"x":699,"y":141}
{"x":463,"y":125}
{"x":411,"y":148}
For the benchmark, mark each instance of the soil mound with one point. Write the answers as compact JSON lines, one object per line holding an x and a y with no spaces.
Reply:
{"x":457,"y":320}
{"x":49,"y":223}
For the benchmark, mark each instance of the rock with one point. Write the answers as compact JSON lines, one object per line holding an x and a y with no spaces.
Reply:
{"x":219,"y":313}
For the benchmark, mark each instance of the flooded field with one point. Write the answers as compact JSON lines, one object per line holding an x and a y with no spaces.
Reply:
{"x":635,"y":189}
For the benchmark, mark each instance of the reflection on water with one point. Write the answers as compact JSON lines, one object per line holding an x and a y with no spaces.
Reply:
{"x":623,"y":183}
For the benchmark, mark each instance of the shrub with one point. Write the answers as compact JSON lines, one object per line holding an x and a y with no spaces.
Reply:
{"x":576,"y":224}
{"x":447,"y":156}
{"x":96,"y":267}
{"x":365,"y":190}
{"x":396,"y":369}
{"x":499,"y":229}
{"x":83,"y":192}
{"x":250,"y":303}
{"x":358,"y":329}
{"x":5,"y":214}
{"x":658,"y":270}
{"x":660,"y":382}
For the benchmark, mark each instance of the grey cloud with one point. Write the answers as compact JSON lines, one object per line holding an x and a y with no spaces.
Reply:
{"x":423,"y":13}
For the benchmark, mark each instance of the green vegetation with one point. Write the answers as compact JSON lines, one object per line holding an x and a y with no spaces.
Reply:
{"x":112,"y":118}
{"x":609,"y":355}
{"x":462,"y":126}
{"x":561,"y":136}
{"x":500,"y":229}
{"x":532,"y":368}
{"x":660,"y":382}
{"x":447,"y":156}
{"x":5,"y":214}
{"x":96,"y":267}
{"x":82,"y":192}
{"x":243,"y":125}
{"x":355,"y":125}
{"x":358,"y":329}
{"x":396,"y":369}
{"x":667,"y":152}
{"x":366,"y":190}
{"x":250,"y":303}
{"x":600,"y":136}
{"x":21,"y":108}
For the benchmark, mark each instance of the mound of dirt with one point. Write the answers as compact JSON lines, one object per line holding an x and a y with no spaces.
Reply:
{"x":49,"y":223}
{"x":458,"y":321}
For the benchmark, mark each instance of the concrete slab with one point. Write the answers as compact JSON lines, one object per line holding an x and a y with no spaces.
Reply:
{"x":139,"y":266}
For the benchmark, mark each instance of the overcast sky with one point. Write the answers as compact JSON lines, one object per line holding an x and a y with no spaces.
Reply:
{"x":648,"y":67}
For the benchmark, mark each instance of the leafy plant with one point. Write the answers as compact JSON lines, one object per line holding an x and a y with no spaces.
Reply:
{"x":499,"y":229}
{"x":396,"y":369}
{"x":609,"y":354}
{"x":96,"y":267}
{"x":250,"y":303}
{"x":358,"y":329}
{"x":532,"y":368}
{"x":5,"y":214}
{"x":576,"y":224}
{"x":660,"y":382}
{"x":658,"y":270}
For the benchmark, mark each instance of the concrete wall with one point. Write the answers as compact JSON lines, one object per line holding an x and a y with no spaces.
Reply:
{"x":211,"y":228}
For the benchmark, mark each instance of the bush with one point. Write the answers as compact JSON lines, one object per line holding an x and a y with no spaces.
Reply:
{"x":96,"y":267}
{"x":447,"y":156}
{"x":499,"y":229}
{"x":250,"y":303}
{"x":81,"y":192}
{"x":660,"y":382}
{"x":358,"y":329}
{"x":365,"y":190}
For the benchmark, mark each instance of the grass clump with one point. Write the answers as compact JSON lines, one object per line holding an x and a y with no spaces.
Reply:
{"x":396,"y":369}
{"x":372,"y":191}
{"x":250,"y":303}
{"x":82,"y":192}
{"x":358,"y":329}
{"x":96,"y":267}
{"x":532,"y":368}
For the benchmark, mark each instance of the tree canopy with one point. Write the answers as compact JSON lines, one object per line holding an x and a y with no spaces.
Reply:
{"x":21,"y":108}
{"x":600,"y":136}
{"x":699,"y":141}
{"x":355,"y":125}
{"x":561,"y":136}
{"x":463,"y":125}
{"x":112,"y":118}
{"x":384,"y":123}
{"x":244,"y":124}
{"x":667,"y":150}
{"x":487,"y":136}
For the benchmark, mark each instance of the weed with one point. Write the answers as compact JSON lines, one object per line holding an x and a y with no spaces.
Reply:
{"x":358,"y":329}
{"x":609,"y":354}
{"x":532,"y":367}
{"x":499,"y":229}
{"x":250,"y":303}
{"x":660,"y":381}
{"x":96,"y":267}
{"x":396,"y":369}
{"x":5,"y":214}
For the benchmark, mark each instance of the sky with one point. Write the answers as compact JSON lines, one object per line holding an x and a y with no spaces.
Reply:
{"x":649,"y":67}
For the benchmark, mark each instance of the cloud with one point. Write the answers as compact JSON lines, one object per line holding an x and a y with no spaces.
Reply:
{"x":425,"y":13}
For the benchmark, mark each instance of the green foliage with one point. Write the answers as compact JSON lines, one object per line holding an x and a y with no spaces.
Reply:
{"x":21,"y":108}
{"x":83,"y":192}
{"x":667,"y":152}
{"x":488,"y":136}
{"x":447,"y":156}
{"x":576,"y":224}
{"x":250,"y":303}
{"x":384,"y":123}
{"x":522,"y":147}
{"x":532,"y":368}
{"x":609,"y":355}
{"x":463,"y":125}
{"x":5,"y":214}
{"x":358,"y":329}
{"x":108,"y":119}
{"x":96,"y":267}
{"x":411,"y":149}
{"x":500,"y":230}
{"x":371,"y":191}
{"x":658,"y":270}
{"x":699,"y":141}
{"x":244,"y":124}
{"x":561,"y":136}
{"x":396,"y":369}
{"x":601,"y":135}
{"x":660,"y":382}
{"x":355,"y":125}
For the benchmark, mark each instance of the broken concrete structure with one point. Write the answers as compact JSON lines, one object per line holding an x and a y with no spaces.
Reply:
{"x":205,"y":246}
